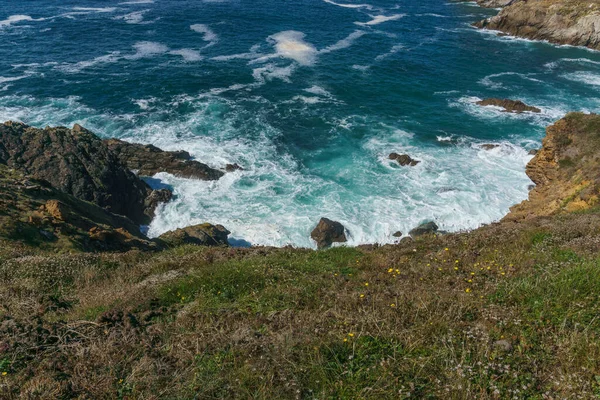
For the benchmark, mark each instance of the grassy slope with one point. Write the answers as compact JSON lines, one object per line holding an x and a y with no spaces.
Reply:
{"x":419,"y":319}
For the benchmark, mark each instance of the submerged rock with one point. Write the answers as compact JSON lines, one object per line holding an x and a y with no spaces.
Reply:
{"x":149,"y":160}
{"x":200,"y":235}
{"x":403,"y":159}
{"x":424,"y":229}
{"x":76,"y":162}
{"x":489,"y":146}
{"x":328,"y":232}
{"x":233,"y":167}
{"x":397,"y":234}
{"x":512,"y":106}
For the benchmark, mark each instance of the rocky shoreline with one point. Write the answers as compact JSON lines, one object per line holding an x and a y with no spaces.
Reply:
{"x":566,"y":22}
{"x":69,"y":190}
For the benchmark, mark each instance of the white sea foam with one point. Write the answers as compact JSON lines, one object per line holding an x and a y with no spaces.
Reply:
{"x":137,"y":2}
{"x":135,"y":18}
{"x":81,"y":65}
{"x":588,"y":78}
{"x":344,"y":43}
{"x":291,"y":44}
{"x":13,"y":19}
{"x":272,"y":71}
{"x":187,"y":54}
{"x":395,"y":49}
{"x":379,"y":19}
{"x":319,"y":91}
{"x":489,"y":80}
{"x":555,"y":64}
{"x":148,"y":49}
{"x":4,"y":79}
{"x":208,"y":34}
{"x":95,"y":9}
{"x":547,"y":115}
{"x":366,"y":6}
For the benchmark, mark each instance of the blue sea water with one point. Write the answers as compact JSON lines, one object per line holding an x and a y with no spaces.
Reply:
{"x":308,"y":96}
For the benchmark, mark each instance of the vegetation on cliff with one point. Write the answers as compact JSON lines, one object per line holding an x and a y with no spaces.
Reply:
{"x":572,"y":22}
{"x":506,"y":311}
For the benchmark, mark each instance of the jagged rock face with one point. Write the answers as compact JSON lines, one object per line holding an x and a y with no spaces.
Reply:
{"x":328,"y":232}
{"x":200,"y":235}
{"x":148,"y":160}
{"x":512,"y":106}
{"x":424,"y":229}
{"x":573,"y":22}
{"x":33,"y":212}
{"x":403,"y":159}
{"x":565,"y":170}
{"x":496,"y":3}
{"x":76,"y":162}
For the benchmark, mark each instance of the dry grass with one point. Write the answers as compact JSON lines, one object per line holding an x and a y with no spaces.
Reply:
{"x":507,"y":311}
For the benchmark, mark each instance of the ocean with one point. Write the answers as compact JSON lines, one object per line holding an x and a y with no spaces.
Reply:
{"x":308,"y":96}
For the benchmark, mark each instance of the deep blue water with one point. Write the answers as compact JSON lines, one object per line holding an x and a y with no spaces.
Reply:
{"x":309,"y":96}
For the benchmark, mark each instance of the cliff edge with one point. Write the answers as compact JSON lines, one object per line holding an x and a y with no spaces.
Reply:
{"x":572,"y":22}
{"x":565,"y":170}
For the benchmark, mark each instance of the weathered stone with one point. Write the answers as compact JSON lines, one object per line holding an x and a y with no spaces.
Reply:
{"x":503,"y":345}
{"x":424,"y":229}
{"x":233,"y":167}
{"x":397,"y":234}
{"x":328,"y":232}
{"x":512,"y":106}
{"x":148,"y":160}
{"x":403,"y":159}
{"x":76,"y":162}
{"x":557,"y":21}
{"x":200,"y":235}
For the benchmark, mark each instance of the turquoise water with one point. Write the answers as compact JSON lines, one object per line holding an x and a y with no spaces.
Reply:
{"x":309,"y":96}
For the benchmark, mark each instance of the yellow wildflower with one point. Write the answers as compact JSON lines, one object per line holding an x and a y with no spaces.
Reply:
{"x":392,"y":305}
{"x":351,"y":334}
{"x":468,"y":290}
{"x":4,"y":373}
{"x":446,"y":249}
{"x":366,"y":283}
{"x":362,"y":295}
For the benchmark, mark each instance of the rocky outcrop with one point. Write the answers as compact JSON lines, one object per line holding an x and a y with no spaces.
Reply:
{"x":572,"y":22}
{"x":148,"y":160}
{"x":200,"y":235}
{"x":328,"y":232}
{"x":35,"y":213}
{"x":424,"y":229}
{"x":77,"y":162}
{"x":496,"y":3}
{"x":403,"y":159}
{"x":511,"y":106}
{"x":565,"y":170}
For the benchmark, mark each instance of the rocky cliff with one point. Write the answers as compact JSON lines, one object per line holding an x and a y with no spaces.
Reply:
{"x":565,"y":170}
{"x":148,"y":160}
{"x":572,"y":22}
{"x":77,"y":162}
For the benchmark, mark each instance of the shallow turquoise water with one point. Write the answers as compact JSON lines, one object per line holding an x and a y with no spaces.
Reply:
{"x":308,"y":96}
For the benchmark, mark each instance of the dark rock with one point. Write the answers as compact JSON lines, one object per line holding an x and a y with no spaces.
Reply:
{"x":532,"y":152}
{"x":148,"y":160}
{"x":76,"y":162}
{"x":424,"y":229}
{"x":406,"y":240}
{"x":512,"y":106}
{"x":61,"y":221}
{"x":156,"y":197}
{"x":200,"y":235}
{"x":233,"y":167}
{"x":489,"y":146}
{"x":403,"y":159}
{"x":397,"y":234}
{"x":327,"y":232}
